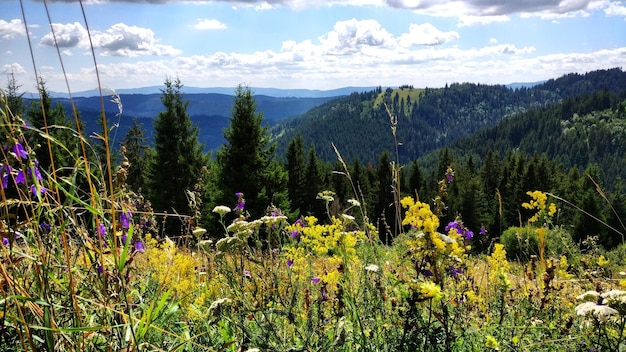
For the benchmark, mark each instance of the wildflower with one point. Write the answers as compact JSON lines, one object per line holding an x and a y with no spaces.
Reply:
{"x":430,"y":289}
{"x":315,"y":280}
{"x":34,"y":171}
{"x":602,"y":261}
{"x":38,"y":191}
{"x":492,"y":343}
{"x":372,"y":267}
{"x":102,"y":230}
{"x":599,"y":311}
{"x":240,"y":202}
{"x":5,"y":171}
{"x":354,"y":202}
{"x":139,"y":247}
{"x":468,"y":234}
{"x":483,"y":230}
{"x":449,"y":175}
{"x":198,"y":231}
{"x":246,"y":272}
{"x":427,"y":273}
{"x":289,"y":263}
{"x":125,"y":219}
{"x":5,"y":241}
{"x":455,"y":271}
{"x":347,"y":217}
{"x":589,"y":296}
{"x":45,"y":228}
{"x":19,"y":151}
{"x":221,"y":210}
{"x":20,"y":178}
{"x":217,"y":304}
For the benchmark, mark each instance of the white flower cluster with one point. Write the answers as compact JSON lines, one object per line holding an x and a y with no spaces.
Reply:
{"x":602,"y":306}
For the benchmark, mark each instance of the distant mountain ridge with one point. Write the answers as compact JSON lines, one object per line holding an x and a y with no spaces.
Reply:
{"x":272,"y":92}
{"x":427,"y":119}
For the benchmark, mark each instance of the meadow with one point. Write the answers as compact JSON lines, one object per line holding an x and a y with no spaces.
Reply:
{"x":83,"y":269}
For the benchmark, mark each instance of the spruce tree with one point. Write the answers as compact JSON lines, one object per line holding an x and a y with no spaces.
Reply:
{"x":296,"y":169}
{"x":246,"y":161}
{"x":179,"y":158}
{"x":137,"y":153}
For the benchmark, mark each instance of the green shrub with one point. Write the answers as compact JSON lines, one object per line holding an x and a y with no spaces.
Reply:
{"x":523,"y":242}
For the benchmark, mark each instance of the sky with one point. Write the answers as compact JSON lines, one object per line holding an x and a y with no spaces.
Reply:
{"x":305,"y":44}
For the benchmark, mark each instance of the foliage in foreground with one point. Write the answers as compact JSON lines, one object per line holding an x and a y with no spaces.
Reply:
{"x":82,"y":269}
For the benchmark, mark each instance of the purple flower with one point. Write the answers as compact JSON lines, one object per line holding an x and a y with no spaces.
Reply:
{"x":139,"y":247}
{"x":454,"y":271}
{"x":452,"y":225}
{"x":427,"y":273}
{"x":289,"y":263}
{"x":5,"y":171}
{"x":246,"y":273}
{"x":19,"y":150}
{"x":35,"y":192}
{"x":449,"y":175}
{"x":294,"y":233}
{"x":125,"y":219}
{"x":102,"y":230}
{"x":35,"y":171}
{"x":19,"y":178}
{"x":240,"y":205}
{"x":483,"y":230}
{"x":239,"y":195}
{"x":5,"y":241}
{"x":324,"y":293}
{"x":45,"y":228}
{"x":124,"y":238}
{"x":100,"y":270}
{"x":315,"y":280}
{"x":468,"y":234}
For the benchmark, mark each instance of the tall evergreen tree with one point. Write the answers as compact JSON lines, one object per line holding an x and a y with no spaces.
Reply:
{"x":179,"y":157}
{"x":314,"y":181}
{"x":246,"y":161}
{"x":138,"y":154}
{"x":296,"y":171}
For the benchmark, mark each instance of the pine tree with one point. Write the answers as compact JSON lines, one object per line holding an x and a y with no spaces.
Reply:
{"x":179,"y":158}
{"x":296,"y":174}
{"x":138,"y":154}
{"x":246,"y":161}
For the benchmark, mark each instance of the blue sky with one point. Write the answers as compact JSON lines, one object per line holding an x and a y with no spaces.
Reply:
{"x":308,"y":43}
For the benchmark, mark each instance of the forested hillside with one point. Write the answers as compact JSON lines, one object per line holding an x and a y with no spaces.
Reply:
{"x":430,"y":118}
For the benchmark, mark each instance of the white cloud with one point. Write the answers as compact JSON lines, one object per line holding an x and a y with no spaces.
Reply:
{"x":469,"y":20}
{"x":353,"y":36}
{"x":15,"y":68}
{"x":119,"y":40}
{"x":11,"y":29}
{"x":614,"y":8}
{"x":493,"y":40}
{"x":209,"y":24}
{"x":426,"y":34}
{"x":68,"y":35}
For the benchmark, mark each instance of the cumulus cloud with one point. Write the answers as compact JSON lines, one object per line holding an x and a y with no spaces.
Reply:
{"x":119,"y":40}
{"x":68,"y":35}
{"x":426,"y":34}
{"x":209,"y":24}
{"x":353,"y":36}
{"x":11,"y":29}
{"x":15,"y":68}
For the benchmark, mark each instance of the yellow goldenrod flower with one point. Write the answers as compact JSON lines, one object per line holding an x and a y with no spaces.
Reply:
{"x":430,"y":289}
{"x":492,"y":343}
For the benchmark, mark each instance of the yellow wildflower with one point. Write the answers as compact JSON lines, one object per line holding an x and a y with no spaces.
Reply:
{"x":492,"y":343}
{"x":430,"y":289}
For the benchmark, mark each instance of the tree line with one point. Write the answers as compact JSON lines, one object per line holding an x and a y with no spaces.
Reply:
{"x":178,"y":178}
